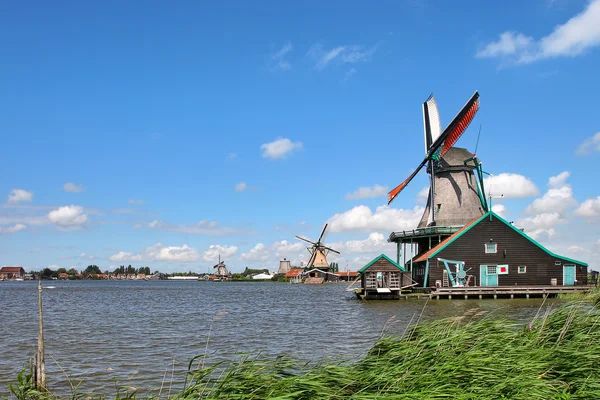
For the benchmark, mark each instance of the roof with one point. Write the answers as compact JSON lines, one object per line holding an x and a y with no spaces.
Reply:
{"x":395,"y":264}
{"x":347,"y":273}
{"x":434,"y":250}
{"x":11,"y":269}
{"x":446,"y":242}
{"x":292,"y":273}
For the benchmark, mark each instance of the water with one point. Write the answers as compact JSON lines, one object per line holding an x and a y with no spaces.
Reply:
{"x":143,"y":333}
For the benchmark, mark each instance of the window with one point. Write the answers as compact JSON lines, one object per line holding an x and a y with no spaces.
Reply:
{"x":491,"y":270}
{"x":522,"y":269}
{"x":491,"y":247}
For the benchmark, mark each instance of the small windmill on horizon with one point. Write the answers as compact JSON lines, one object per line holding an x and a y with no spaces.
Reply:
{"x":318,"y":252}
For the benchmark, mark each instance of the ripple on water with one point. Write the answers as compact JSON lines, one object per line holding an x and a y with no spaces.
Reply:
{"x":141,"y":332}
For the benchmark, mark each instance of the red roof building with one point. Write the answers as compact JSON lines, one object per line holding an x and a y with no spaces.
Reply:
{"x":12,"y":272}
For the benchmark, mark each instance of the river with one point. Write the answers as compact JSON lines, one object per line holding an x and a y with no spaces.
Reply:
{"x":143,"y":333}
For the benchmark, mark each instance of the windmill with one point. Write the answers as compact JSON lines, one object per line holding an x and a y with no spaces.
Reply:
{"x":455,"y":197}
{"x":221,"y":269}
{"x":318,"y":252}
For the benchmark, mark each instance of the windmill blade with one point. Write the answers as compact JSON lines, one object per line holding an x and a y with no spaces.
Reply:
{"x":431,"y":122}
{"x":457,"y":127}
{"x":445,"y":141}
{"x":306,"y":240}
{"x":392,"y":195}
{"x":311,"y":260}
{"x":322,"y":233}
{"x":330,"y":249}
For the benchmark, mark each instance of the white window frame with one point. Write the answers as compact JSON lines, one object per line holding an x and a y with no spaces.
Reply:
{"x":488,"y":244}
{"x":522,"y":269}
{"x":495,"y":267}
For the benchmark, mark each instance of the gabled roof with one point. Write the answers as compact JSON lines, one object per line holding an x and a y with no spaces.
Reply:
{"x":449,"y":240}
{"x":11,"y":269}
{"x":294,"y":272}
{"x":377,"y":259}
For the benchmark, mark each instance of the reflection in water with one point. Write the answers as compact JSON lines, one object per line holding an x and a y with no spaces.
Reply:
{"x":140,"y":332}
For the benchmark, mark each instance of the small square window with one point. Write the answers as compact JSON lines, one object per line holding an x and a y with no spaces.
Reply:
{"x":522,"y":269}
{"x":491,"y":270}
{"x":491,"y":247}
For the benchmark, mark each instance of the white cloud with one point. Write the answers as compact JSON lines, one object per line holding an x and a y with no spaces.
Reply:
{"x":590,"y":145}
{"x":385,"y":218}
{"x":589,"y":208}
{"x":182,"y":253}
{"x":542,"y":223}
{"x":53,"y":267}
{"x":17,"y":196}
{"x":557,"y":199}
{"x":499,"y":209}
{"x":573,"y":38}
{"x":257,"y":253}
{"x":125,"y":256}
{"x":214,"y":251}
{"x":68,"y":216}
{"x":367,"y":192}
{"x":423,"y":195}
{"x":71,"y":187}
{"x":12,"y":229}
{"x":340,"y":54}
{"x":279,"y":148}
{"x":136,"y":202}
{"x":375,"y":243}
{"x":240,"y":187}
{"x":204,"y":227}
{"x":509,"y":185}
{"x":278,"y":57}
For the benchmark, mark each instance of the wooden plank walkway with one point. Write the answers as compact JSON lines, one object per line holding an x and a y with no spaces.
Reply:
{"x":505,"y":291}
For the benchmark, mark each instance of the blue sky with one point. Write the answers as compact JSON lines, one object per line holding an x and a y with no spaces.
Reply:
{"x":148,"y":133}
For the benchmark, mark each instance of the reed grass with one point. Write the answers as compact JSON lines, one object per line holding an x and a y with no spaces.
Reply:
{"x":556,"y":356}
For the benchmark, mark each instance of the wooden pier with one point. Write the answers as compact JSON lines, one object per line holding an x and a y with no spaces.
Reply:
{"x":505,"y":292}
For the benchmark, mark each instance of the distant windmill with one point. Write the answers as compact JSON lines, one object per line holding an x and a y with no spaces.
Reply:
{"x":455,"y":197}
{"x":318,"y":252}
{"x":221,"y":269}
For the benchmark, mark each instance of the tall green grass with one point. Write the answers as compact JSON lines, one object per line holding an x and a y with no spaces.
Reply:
{"x":556,"y":356}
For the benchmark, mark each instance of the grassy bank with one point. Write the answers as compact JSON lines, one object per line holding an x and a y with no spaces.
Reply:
{"x":556,"y":356}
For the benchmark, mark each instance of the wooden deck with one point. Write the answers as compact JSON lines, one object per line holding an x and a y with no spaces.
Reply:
{"x":496,"y":292}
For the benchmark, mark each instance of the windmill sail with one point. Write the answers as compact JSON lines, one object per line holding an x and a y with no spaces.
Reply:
{"x":431,"y":122}
{"x":445,"y":141}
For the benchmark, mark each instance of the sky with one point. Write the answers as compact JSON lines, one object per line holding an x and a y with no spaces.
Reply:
{"x":167,"y":134}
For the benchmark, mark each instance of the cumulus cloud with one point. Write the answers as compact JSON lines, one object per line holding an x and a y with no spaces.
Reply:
{"x":240,"y":187}
{"x":279,"y":148}
{"x":499,"y":209}
{"x":509,"y":185}
{"x":573,"y":38}
{"x":71,"y":187}
{"x":183,"y":253}
{"x":540,"y":224}
{"x":590,"y":145}
{"x":125,"y":256}
{"x":589,"y":208}
{"x":214,"y":251}
{"x":257,"y":253}
{"x":17,"y":196}
{"x":385,"y":218}
{"x":7,"y":230}
{"x":375,"y":243}
{"x":558,"y":198}
{"x":68,"y":216}
{"x":367,"y":192}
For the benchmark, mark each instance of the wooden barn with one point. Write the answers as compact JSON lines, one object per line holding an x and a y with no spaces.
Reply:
{"x":382,"y":279}
{"x":489,"y":251}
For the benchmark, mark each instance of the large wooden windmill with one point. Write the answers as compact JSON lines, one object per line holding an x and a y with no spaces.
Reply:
{"x":318,"y":252}
{"x":455,"y":195}
{"x":221,"y":268}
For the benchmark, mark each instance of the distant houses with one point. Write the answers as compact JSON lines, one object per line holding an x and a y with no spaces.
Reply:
{"x":12,"y":273}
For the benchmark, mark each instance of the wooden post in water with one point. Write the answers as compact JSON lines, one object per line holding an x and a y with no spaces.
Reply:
{"x":40,"y":364}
